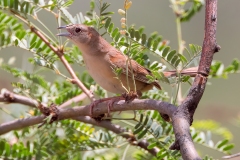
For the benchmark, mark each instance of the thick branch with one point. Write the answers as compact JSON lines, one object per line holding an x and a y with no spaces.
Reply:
{"x":74,"y":113}
{"x":26,"y":122}
{"x":84,"y":110}
{"x":183,"y":117}
{"x":101,"y":108}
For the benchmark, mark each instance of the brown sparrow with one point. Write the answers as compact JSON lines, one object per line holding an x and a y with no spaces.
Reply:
{"x":101,"y":58}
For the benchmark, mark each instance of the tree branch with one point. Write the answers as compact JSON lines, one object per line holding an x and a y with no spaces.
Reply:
{"x":233,"y":156}
{"x":75,"y":113}
{"x":183,"y":117}
{"x":9,"y":97}
{"x":101,"y":108}
{"x":73,"y":100}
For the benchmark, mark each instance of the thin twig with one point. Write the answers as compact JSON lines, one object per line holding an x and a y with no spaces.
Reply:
{"x":232,"y":156}
{"x":73,"y":100}
{"x":9,"y":97}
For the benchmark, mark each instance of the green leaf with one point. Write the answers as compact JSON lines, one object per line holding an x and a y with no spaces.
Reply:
{"x":68,"y":3}
{"x":137,"y":35}
{"x":221,"y":143}
{"x":189,"y":12}
{"x":228,"y":147}
{"x":183,"y":58}
{"x":167,"y":139}
{"x":25,"y":7}
{"x":174,"y":59}
{"x":150,"y":78}
{"x":141,"y":118}
{"x":107,"y":13}
{"x":132,"y":32}
{"x":155,"y":45}
{"x":158,"y":131}
{"x":144,"y":38}
{"x":236,"y":64}
{"x":15,"y":5}
{"x":149,"y":123}
{"x":139,"y":129}
{"x":104,"y":6}
{"x":7,"y":150}
{"x":161,"y":155}
{"x":107,"y":23}
{"x":110,"y":28}
{"x":141,"y":29}
{"x":138,"y":125}
{"x":185,"y":78}
{"x":142,"y":133}
{"x":193,"y":48}
{"x":114,"y":33}
{"x":165,"y":52}
{"x":146,"y":120}
{"x":154,"y":65}
{"x":2,"y":144}
{"x":16,"y":42}
{"x":149,"y":42}
{"x":229,"y":69}
{"x":171,"y":54}
{"x":117,"y":37}
{"x":152,"y":145}
{"x":177,"y":63}
{"x":5,"y":3}
{"x":163,"y":78}
{"x":174,"y":153}
{"x":158,"y":39}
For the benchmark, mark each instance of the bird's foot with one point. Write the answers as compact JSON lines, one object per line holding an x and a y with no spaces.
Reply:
{"x":111,"y":101}
{"x":130,"y":96}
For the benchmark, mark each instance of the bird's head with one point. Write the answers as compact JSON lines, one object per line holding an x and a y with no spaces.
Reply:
{"x":78,"y":33}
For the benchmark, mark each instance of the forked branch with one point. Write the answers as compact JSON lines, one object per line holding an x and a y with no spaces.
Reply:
{"x":183,"y":117}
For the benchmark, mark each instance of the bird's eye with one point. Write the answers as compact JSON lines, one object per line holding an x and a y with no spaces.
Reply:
{"x":77,"y":30}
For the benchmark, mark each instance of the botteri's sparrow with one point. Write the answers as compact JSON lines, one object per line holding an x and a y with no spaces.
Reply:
{"x":101,"y":58}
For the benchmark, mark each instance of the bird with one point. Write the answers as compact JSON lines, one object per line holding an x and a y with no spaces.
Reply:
{"x":101,"y":59}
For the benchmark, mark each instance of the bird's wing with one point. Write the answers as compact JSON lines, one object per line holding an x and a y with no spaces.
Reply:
{"x":120,"y":61}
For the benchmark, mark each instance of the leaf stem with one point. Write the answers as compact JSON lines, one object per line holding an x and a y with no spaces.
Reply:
{"x":180,"y":51}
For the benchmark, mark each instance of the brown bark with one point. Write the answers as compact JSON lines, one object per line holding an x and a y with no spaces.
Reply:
{"x":183,"y":117}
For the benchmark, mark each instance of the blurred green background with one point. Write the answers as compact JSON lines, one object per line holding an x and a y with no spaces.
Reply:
{"x":220,"y":101}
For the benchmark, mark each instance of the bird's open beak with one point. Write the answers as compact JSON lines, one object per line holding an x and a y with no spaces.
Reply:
{"x":62,"y":27}
{"x":63,"y":34}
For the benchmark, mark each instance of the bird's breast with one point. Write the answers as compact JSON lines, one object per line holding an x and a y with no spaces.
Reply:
{"x":101,"y":71}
